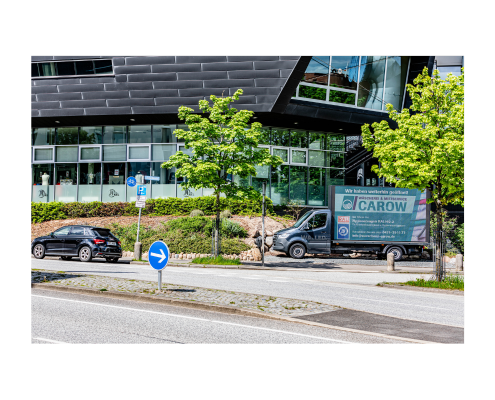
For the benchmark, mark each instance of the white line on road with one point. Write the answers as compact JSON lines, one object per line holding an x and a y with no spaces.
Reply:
{"x":195,"y":318}
{"x":49,"y":340}
{"x":394,"y":302}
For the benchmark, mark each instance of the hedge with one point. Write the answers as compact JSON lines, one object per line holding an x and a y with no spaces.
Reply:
{"x":41,"y":212}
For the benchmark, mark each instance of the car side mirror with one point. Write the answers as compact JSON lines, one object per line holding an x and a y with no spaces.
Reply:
{"x":51,"y":234}
{"x":305,"y":228}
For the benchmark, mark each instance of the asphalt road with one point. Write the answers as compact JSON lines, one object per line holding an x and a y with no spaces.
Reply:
{"x":65,"y":318}
{"x":344,"y":289}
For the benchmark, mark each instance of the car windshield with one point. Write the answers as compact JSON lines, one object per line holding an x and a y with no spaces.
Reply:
{"x":302,"y":219}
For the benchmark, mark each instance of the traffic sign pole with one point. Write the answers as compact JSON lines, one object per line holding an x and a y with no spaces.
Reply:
{"x":158,"y":256}
{"x":263,"y":227}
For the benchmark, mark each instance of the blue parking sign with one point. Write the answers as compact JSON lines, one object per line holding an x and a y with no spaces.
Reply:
{"x":141,"y":190}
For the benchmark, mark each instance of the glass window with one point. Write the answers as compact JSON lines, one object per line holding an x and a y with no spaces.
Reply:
{"x":371,"y":77}
{"x":89,"y":182}
{"x":34,"y":70}
{"x":299,"y":157}
{"x":114,"y":153}
{"x":317,"y":141}
{"x":265,"y":136}
{"x":91,"y":135}
{"x":336,"y":142}
{"x":139,"y":134}
{"x":66,"y":68}
{"x":42,"y":154}
{"x":396,"y":81}
{"x":66,"y":153}
{"x":262,"y":175}
{"x":298,"y":184}
{"x":90,"y":153}
{"x":282,"y":153}
{"x":162,"y":152}
{"x":164,"y":134}
{"x":342,"y":97}
{"x":47,"y":69}
{"x":43,"y":136}
{"x":188,"y":151}
{"x":114,"y":134}
{"x":113,"y":188}
{"x":103,"y":66}
{"x":139,"y":152}
{"x":317,"y":188}
{"x":242,"y":182}
{"x":337,"y":160}
{"x":77,"y":230}
{"x":67,"y":135}
{"x":280,"y":137}
{"x":299,"y":139}
{"x":311,"y":92}
{"x":84,"y":68}
{"x":318,"y":221}
{"x":42,"y":180}
{"x":165,"y":187}
{"x":138,"y":170}
{"x":280,"y":184}
{"x":344,"y":72}
{"x":62,"y":231}
{"x":66,"y":182}
{"x":317,"y":158}
{"x":317,"y":70}
{"x":336,"y":177}
{"x":302,"y":219}
{"x":444,"y":71}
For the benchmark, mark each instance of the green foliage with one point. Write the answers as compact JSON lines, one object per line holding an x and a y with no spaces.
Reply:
{"x":232,"y":229}
{"x":196,"y":213}
{"x":41,"y":212}
{"x":225,"y":214}
{"x":459,"y":238}
{"x":450,"y":282}
{"x":215,"y":261}
{"x":454,"y":233}
{"x":233,"y":246}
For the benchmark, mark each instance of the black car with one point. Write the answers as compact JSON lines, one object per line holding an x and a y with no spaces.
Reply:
{"x":85,"y":242}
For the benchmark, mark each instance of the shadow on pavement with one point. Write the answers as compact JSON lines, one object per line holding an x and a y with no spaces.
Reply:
{"x":43,"y":276}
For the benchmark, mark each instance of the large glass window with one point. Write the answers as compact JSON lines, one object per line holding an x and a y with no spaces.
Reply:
{"x":344,"y":72}
{"x":165,"y":186}
{"x":317,"y":70}
{"x":311,"y":92}
{"x":318,"y":158}
{"x":43,"y":154}
{"x":66,"y":182}
{"x":138,"y":170}
{"x":66,"y":153}
{"x":103,"y":66}
{"x":336,"y":177}
{"x":280,"y":137}
{"x":164,"y":134}
{"x":280,"y":185}
{"x":299,"y":156}
{"x":336,"y":142}
{"x":282,"y":153}
{"x":317,"y":141}
{"x":317,"y":192}
{"x":337,"y":160}
{"x":42,"y":180}
{"x":113,"y":182}
{"x":396,"y":81}
{"x":90,"y":153}
{"x":114,"y":153}
{"x":341,"y":97}
{"x":91,"y":135}
{"x":163,"y":152}
{"x":299,"y":139}
{"x":114,"y":134}
{"x":89,"y":182}
{"x":66,"y":68}
{"x":298,"y":184}
{"x":370,"y":93}
{"x":139,"y":152}
{"x":67,"y":135}
{"x":139,"y":134}
{"x":43,"y":136}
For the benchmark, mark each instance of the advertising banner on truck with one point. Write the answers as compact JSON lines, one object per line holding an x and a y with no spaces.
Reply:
{"x":380,"y":214}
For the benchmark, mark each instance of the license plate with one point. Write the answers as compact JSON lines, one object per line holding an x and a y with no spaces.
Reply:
{"x":111,"y":243}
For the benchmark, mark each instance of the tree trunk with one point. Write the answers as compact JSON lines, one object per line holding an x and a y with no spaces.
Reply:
{"x":439,"y":248}
{"x":217,"y":227}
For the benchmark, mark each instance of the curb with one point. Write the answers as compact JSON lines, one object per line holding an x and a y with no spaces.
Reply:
{"x":455,"y":292}
{"x":211,"y":307}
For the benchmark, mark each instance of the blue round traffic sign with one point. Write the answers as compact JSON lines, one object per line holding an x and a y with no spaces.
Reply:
{"x":158,"y":255}
{"x":131,"y":181}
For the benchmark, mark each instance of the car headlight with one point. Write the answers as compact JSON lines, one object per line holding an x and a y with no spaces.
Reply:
{"x":284,"y":235}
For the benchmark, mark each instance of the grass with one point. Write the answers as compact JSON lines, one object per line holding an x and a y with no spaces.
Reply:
{"x":450,"y":282}
{"x":215,"y":261}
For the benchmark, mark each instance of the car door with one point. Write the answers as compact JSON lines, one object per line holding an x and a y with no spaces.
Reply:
{"x":319,"y":233}
{"x":56,"y":243}
{"x":74,"y":238}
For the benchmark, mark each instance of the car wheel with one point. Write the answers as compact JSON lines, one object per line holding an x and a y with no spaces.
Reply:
{"x":66,"y":258}
{"x":85,"y":254}
{"x":112,"y":259}
{"x":297,"y":251}
{"x":39,"y":251}
{"x":397,"y":252}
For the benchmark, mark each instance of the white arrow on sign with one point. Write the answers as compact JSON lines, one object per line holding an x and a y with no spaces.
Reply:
{"x":162,"y":256}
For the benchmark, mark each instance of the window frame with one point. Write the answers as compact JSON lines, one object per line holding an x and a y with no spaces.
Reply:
{"x":295,"y":163}
{"x":34,"y":161}
{"x":129,"y":146}
{"x":73,"y":76}
{"x":281,"y":148}
{"x":85,"y":146}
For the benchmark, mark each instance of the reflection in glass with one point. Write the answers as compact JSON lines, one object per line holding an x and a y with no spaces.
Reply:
{"x":337,"y":160}
{"x":298,"y":157}
{"x":103,"y":66}
{"x":262,"y":175}
{"x":164,"y":134}
{"x":66,"y":68}
{"x":89,"y":182}
{"x":336,"y":142}
{"x":114,"y":134}
{"x":337,"y":177}
{"x":165,"y":187}
{"x":163,"y":152}
{"x":265,"y":136}
{"x":298,"y":184}
{"x":114,"y":153}
{"x":317,"y":193}
{"x":66,"y":182}
{"x":43,"y":154}
{"x":310,"y":92}
{"x":42,"y":180}
{"x":90,"y":153}
{"x":91,"y":135}
{"x":282,"y":153}
{"x":341,"y":97}
{"x":139,"y":134}
{"x":113,"y":188}
{"x":280,"y":137}
{"x":138,"y":170}
{"x":139,"y":153}
{"x":67,"y":136}
{"x":317,"y":158}
{"x":396,"y":81}
{"x":444,"y":71}
{"x":317,"y":70}
{"x":344,"y":72}
{"x":43,"y":136}
{"x":66,"y":153}
{"x":371,"y":77}
{"x":47,"y":69}
{"x":299,"y":139}
{"x":34,"y":70}
{"x":279,"y":192}
{"x":317,"y":140}
{"x":84,"y":68}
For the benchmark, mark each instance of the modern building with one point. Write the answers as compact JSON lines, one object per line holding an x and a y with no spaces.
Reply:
{"x":98,"y":120}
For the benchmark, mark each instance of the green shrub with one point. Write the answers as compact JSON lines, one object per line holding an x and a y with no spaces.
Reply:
{"x":196,"y":213}
{"x":215,"y":261}
{"x":225,"y":214}
{"x":232,"y":229}
{"x":232,"y":246}
{"x":41,"y":212}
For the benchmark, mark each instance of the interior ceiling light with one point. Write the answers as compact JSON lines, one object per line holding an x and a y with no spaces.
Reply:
{"x":132,"y":119}
{"x":295,"y":123}
{"x":57,"y":122}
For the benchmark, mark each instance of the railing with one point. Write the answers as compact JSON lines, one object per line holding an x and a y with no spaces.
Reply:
{"x":351,"y":142}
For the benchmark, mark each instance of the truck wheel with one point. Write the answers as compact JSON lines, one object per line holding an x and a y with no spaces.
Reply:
{"x":297,"y":251}
{"x":397,"y":252}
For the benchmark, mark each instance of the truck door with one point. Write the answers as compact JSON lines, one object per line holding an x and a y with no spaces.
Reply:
{"x":319,"y":233}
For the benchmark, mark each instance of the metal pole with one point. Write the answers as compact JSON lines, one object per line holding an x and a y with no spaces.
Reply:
{"x":139,"y":223}
{"x":263,"y":227}
{"x":159,"y":279}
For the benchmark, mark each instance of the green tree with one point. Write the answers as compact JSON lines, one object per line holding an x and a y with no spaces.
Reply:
{"x":223,"y":146}
{"x":426,"y":151}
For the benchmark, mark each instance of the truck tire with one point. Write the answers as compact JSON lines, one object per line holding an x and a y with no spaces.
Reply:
{"x":397,"y":252}
{"x":297,"y":251}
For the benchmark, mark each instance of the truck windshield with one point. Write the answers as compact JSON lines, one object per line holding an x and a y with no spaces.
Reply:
{"x":302,"y":219}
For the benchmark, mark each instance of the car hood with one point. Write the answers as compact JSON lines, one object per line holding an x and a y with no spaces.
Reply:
{"x":286,"y":230}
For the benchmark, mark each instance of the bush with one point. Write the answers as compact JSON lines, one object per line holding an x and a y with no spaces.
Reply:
{"x":454,"y":233}
{"x":232,"y":246}
{"x":196,"y":213}
{"x":225,"y":214}
{"x":41,"y":212}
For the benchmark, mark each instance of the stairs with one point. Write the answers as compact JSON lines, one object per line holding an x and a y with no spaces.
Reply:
{"x":356,"y":154}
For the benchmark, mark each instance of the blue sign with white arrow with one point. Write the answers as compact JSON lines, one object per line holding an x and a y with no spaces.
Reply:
{"x":131,"y":181}
{"x":158,"y":255}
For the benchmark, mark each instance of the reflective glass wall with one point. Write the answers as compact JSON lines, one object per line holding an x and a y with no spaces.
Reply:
{"x":355,"y":81}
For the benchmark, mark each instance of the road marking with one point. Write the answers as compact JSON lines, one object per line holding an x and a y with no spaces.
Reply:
{"x":393,"y":302}
{"x":49,"y":340}
{"x":307,"y":280}
{"x":194,"y":318}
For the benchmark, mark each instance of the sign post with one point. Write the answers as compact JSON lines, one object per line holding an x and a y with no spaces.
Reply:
{"x":263,"y":227}
{"x":158,"y":256}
